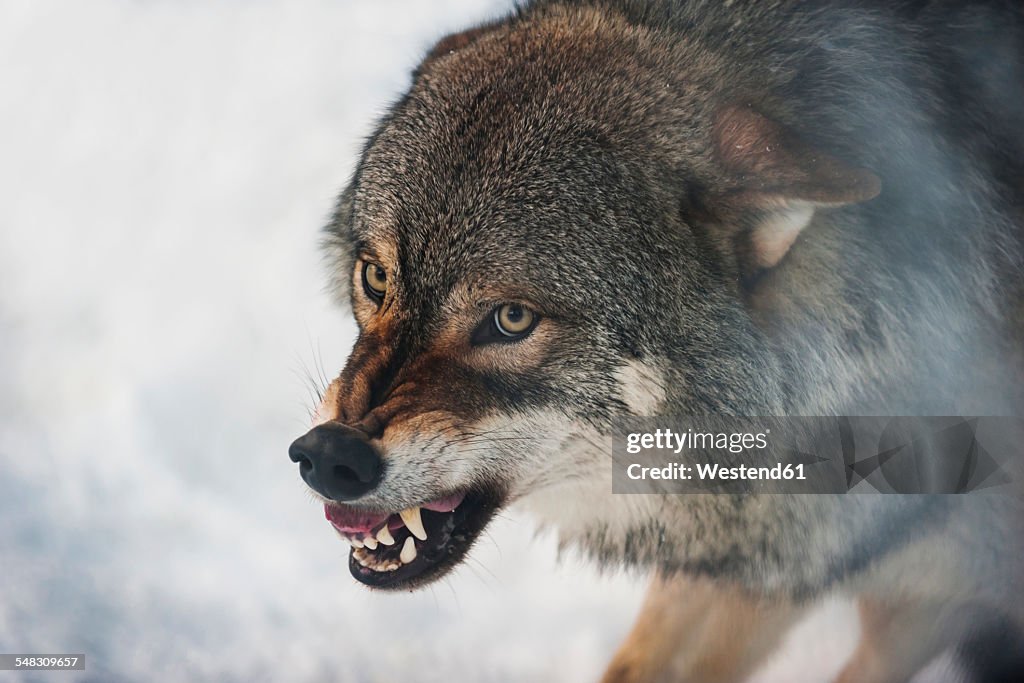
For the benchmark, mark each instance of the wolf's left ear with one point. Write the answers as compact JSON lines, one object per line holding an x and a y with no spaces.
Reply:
{"x":779,"y":181}
{"x":454,"y":42}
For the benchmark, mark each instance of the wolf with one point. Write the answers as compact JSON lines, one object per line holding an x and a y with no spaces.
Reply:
{"x":590,"y":210}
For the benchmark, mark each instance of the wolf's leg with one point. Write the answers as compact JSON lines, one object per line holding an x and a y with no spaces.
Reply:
{"x":897,"y":640}
{"x":698,"y":630}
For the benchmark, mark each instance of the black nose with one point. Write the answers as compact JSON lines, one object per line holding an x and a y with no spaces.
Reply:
{"x":336,"y":462}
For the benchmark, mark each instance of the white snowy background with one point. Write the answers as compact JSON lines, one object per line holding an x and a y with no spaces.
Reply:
{"x":165,"y":167}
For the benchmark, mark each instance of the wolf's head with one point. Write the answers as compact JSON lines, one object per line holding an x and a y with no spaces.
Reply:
{"x":532,"y":245}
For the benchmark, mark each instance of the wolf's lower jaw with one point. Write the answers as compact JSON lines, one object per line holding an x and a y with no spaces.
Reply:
{"x":415,"y":546}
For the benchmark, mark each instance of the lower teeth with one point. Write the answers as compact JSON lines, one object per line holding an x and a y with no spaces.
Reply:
{"x":367,"y":559}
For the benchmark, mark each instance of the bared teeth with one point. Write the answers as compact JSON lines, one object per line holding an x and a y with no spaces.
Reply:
{"x":408,"y":553}
{"x":414,"y":521}
{"x":384,"y":535}
{"x":364,"y":546}
{"x":370,"y":561}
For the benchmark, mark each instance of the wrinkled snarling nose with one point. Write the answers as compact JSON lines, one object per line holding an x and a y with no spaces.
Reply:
{"x":336,"y":462}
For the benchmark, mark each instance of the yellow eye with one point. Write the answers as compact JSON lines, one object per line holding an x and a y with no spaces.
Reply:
{"x":513,"y":320}
{"x":375,"y":281}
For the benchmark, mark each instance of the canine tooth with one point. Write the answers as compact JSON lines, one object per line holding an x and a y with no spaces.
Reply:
{"x":412,"y":519}
{"x":370,"y":542}
{"x":384,"y":536}
{"x":408,"y":553}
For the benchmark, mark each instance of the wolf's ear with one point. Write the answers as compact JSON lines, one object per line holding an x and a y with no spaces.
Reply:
{"x":779,"y":181}
{"x":453,"y":43}
{"x":456,"y":41}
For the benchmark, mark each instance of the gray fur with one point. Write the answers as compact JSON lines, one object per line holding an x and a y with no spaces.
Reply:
{"x":567,"y":152}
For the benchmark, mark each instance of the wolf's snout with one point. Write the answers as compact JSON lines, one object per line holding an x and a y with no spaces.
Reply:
{"x":336,"y":462}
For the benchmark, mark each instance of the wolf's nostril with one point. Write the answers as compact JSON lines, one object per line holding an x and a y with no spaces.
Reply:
{"x":297,"y":453}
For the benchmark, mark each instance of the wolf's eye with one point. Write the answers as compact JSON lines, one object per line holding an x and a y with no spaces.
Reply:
{"x":508,"y":322}
{"x":375,"y":281}
{"x":512,"y":320}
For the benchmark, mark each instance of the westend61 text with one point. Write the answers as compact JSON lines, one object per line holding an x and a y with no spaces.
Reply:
{"x":712,"y":472}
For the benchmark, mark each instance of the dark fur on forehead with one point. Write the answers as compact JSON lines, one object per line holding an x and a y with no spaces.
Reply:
{"x":535,"y":134}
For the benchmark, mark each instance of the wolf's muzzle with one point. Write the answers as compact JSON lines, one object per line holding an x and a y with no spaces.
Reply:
{"x":337,"y":462}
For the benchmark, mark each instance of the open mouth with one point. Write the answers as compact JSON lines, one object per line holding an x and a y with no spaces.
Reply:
{"x":412,"y":547}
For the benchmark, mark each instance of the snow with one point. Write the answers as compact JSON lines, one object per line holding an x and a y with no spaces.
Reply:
{"x":166,"y":167}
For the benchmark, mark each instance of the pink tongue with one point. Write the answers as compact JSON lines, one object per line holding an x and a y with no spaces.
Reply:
{"x":353,"y":521}
{"x":444,"y":504}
